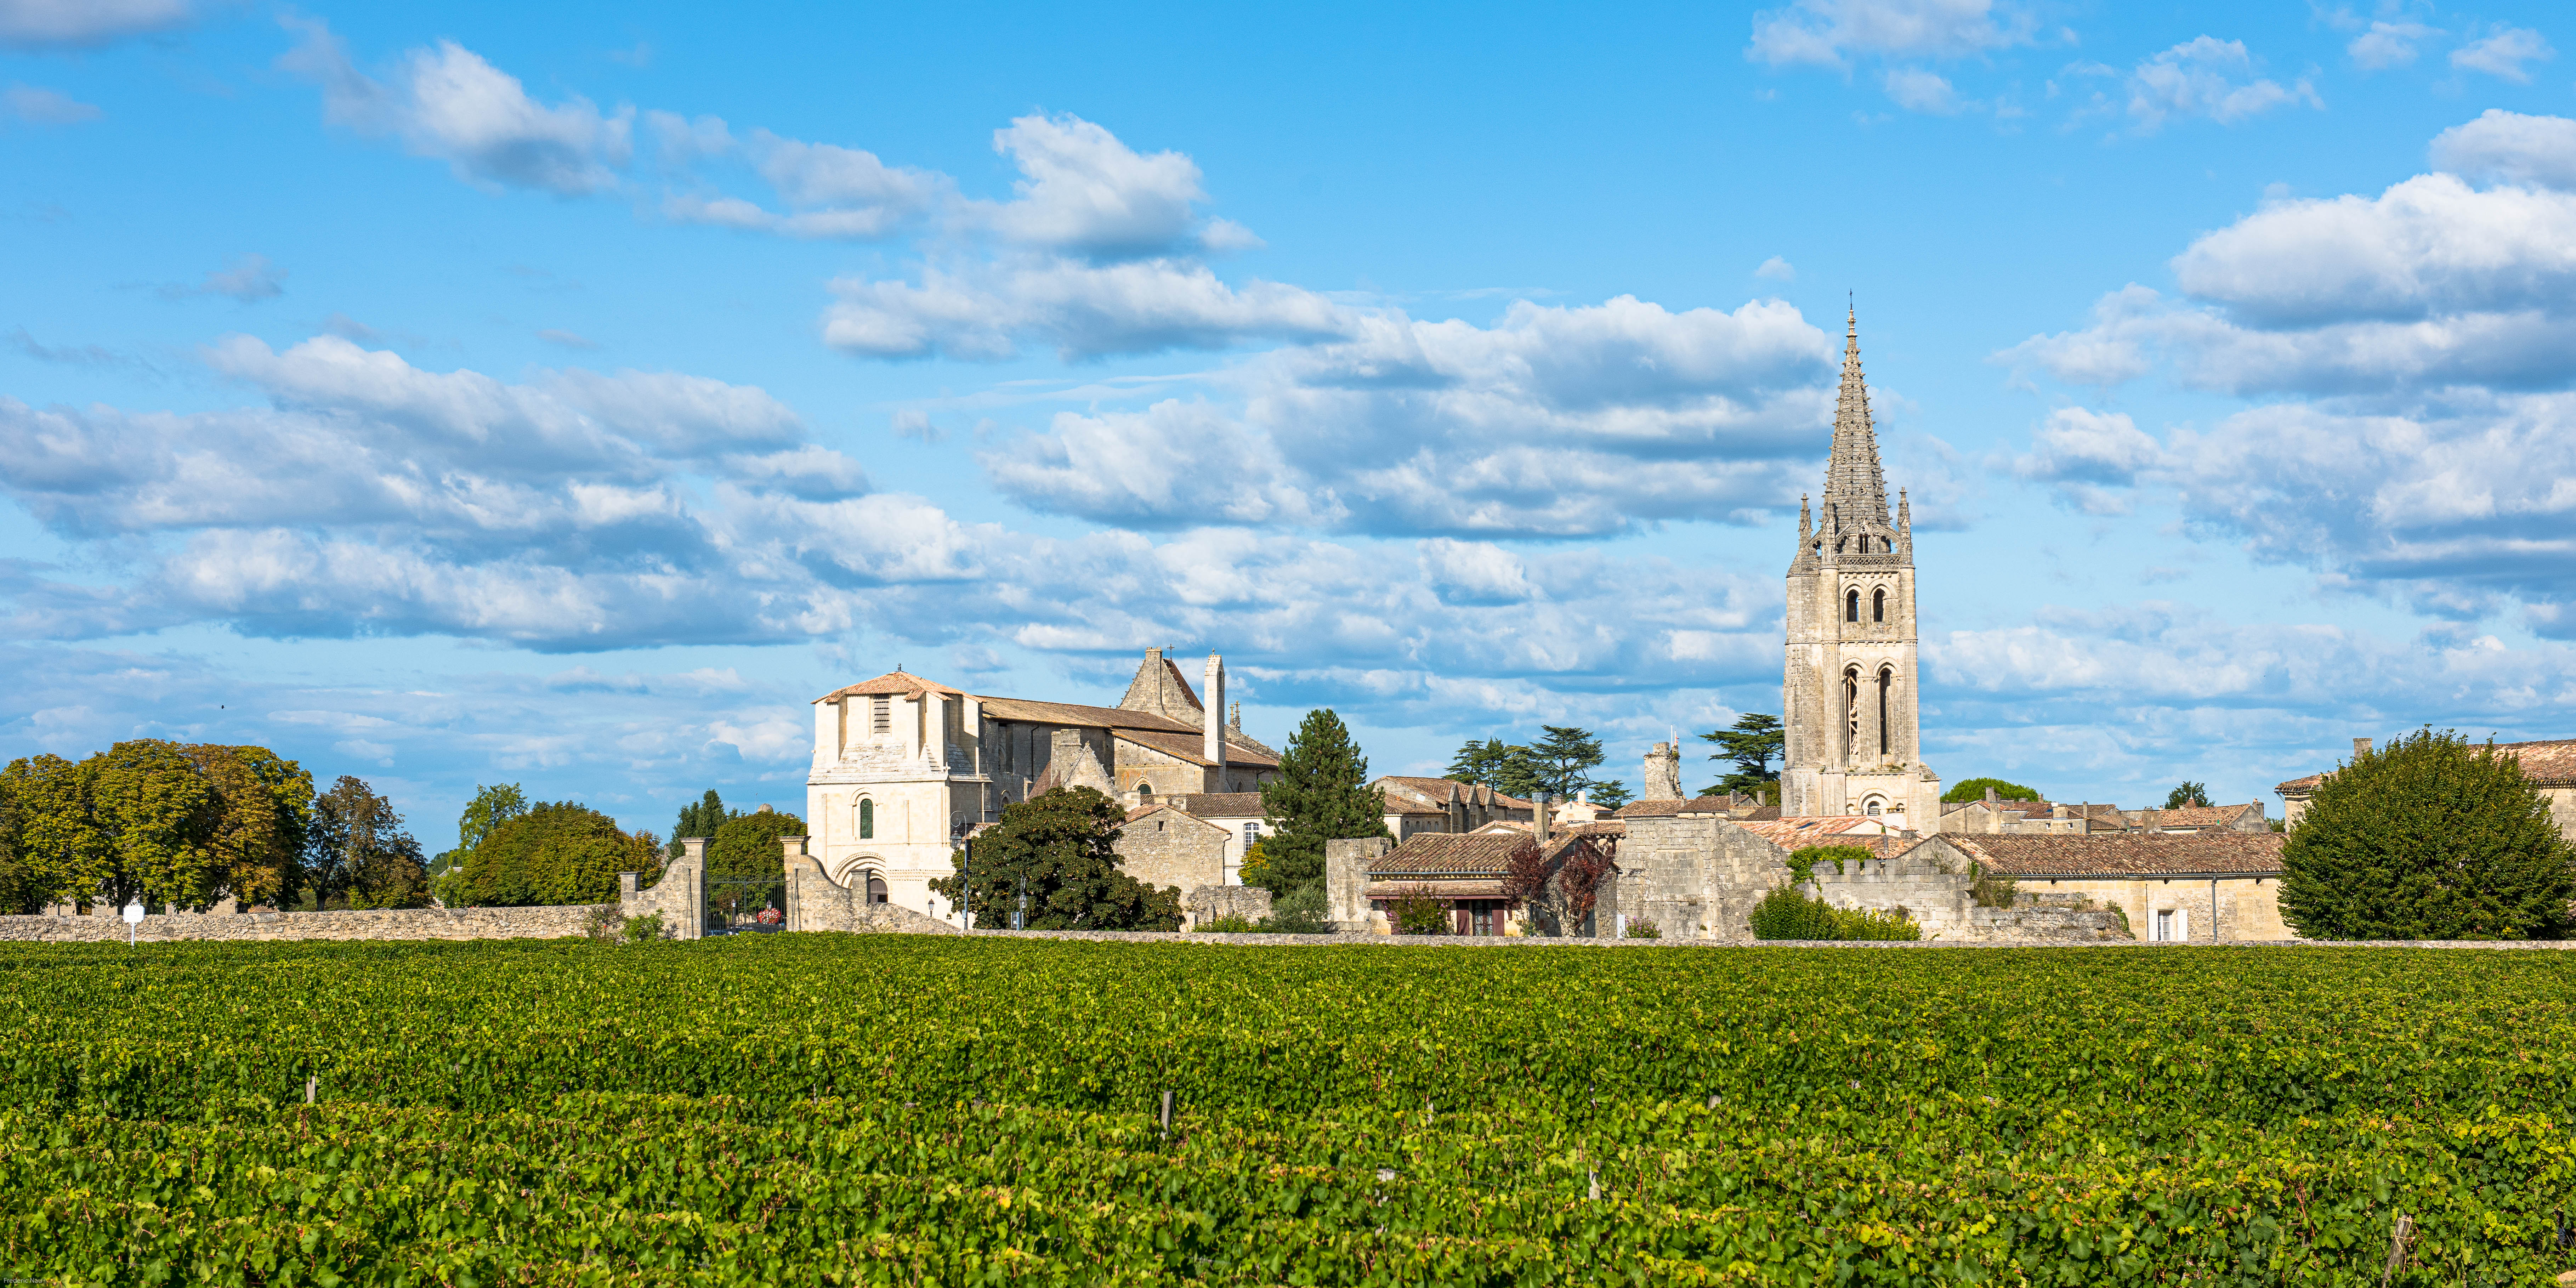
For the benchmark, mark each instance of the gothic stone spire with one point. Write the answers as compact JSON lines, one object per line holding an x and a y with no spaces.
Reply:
{"x":1853,"y":484}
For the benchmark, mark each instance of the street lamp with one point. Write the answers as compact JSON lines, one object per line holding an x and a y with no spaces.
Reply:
{"x":965,"y":872}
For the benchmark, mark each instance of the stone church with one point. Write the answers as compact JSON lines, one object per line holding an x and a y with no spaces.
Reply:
{"x":1848,"y":691}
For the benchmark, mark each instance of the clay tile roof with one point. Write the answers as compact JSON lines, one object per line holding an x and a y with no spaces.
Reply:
{"x":891,"y":683}
{"x":2548,"y":762}
{"x":1798,"y":831}
{"x":1187,"y":747}
{"x":1449,"y":854}
{"x":1067,"y":713}
{"x":1609,"y":827}
{"x":1219,"y":804}
{"x":1406,"y":794}
{"x":2193,"y":816}
{"x":2296,"y":785}
{"x":2127,"y":854}
{"x":1667,"y":809}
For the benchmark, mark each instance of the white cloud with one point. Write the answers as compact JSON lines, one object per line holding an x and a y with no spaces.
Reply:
{"x":1083,"y":192}
{"x":450,"y":104}
{"x":1917,"y":90}
{"x":2082,"y":446}
{"x":2388,"y":44}
{"x":984,"y":310}
{"x":43,"y":24}
{"x":38,"y":106}
{"x":1174,"y":464}
{"x":2502,"y":53}
{"x":2209,"y":78}
{"x":1830,"y":32}
{"x":251,"y":277}
{"x":1776,"y":269}
{"x":2509,"y":147}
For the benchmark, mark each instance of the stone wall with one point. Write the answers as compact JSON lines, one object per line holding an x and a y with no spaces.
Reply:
{"x":680,"y":896}
{"x":555,"y":922}
{"x":1170,"y":848}
{"x":2247,"y":907}
{"x":1346,"y":902}
{"x":817,"y":902}
{"x":1208,"y":903}
{"x":1696,"y":876}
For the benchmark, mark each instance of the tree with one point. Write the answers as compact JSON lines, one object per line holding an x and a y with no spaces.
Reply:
{"x":2188,"y":794}
{"x":361,"y":856}
{"x":20,"y":893}
{"x":1974,"y":789}
{"x":1059,"y":850}
{"x":703,"y":819}
{"x":746,"y":865}
{"x":1321,"y":795}
{"x":559,"y":853}
{"x":2430,"y":837}
{"x":264,"y":819}
{"x":60,"y":843}
{"x":1507,"y":768}
{"x":493,"y":805}
{"x":1750,"y":744}
{"x":1559,"y":890}
{"x":1565,"y":758}
{"x":1611,"y":794}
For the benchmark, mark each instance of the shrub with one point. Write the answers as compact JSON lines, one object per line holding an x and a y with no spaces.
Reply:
{"x":1644,"y":928}
{"x":1416,"y":912}
{"x":1803,"y":861}
{"x":646,"y":928}
{"x":1789,"y":913}
{"x":1299,"y":912}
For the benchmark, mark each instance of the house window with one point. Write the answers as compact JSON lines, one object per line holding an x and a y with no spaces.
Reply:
{"x":880,"y":715}
{"x":1251,"y":835}
{"x":867,"y":819}
{"x":2164,"y":925}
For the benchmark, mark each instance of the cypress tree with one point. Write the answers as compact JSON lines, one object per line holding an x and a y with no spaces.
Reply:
{"x":1321,"y":795}
{"x":2430,"y":838}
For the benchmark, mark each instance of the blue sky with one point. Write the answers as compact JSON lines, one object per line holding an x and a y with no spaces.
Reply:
{"x":465,"y":393}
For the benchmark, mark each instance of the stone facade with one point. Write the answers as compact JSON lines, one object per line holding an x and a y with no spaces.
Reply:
{"x":1164,"y":846}
{"x":2209,"y":887}
{"x":904,"y":766}
{"x":1849,"y":686}
{"x":551,"y":922}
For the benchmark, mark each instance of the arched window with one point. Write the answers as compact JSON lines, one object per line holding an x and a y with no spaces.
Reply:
{"x":1874,"y":806}
{"x":1886,"y":681}
{"x":1144,"y":793}
{"x":1878,"y":605}
{"x":1851,"y":607}
{"x":876,"y":888}
{"x":867,"y":819}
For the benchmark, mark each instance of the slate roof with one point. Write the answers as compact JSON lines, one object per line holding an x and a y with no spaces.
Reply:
{"x":2127,"y":854}
{"x":2548,"y":762}
{"x":1220,"y":804}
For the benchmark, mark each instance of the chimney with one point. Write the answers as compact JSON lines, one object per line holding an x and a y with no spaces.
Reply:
{"x":1990,"y":796}
{"x":2360,"y":748}
{"x":1538,"y":818}
{"x":1211,"y":714}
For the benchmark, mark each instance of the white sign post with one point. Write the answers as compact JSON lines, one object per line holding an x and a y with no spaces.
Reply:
{"x":133,"y":918}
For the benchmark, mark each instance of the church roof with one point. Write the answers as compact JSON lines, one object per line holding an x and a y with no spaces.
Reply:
{"x":1853,"y":482}
{"x":1189,"y":746}
{"x":1220,"y":804}
{"x":1069,"y":713}
{"x":892,"y":683}
{"x":1159,"y":687}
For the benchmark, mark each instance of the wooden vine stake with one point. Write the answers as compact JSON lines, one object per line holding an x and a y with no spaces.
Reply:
{"x":2399,"y":1235}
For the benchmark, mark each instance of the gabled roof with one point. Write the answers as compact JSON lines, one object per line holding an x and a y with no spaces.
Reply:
{"x":2146,"y":854}
{"x":1799,"y":831}
{"x":1406,"y":794}
{"x":1068,"y":713}
{"x":1449,"y":854}
{"x":892,"y":683}
{"x":1159,"y":687}
{"x":1190,"y":747}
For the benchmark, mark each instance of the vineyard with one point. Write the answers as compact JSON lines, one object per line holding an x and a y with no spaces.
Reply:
{"x":927,"y":1110}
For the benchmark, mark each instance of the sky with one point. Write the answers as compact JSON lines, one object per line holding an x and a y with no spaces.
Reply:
{"x":567,"y":395}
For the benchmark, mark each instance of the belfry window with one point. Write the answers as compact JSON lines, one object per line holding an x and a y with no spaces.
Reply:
{"x":1886,"y":681}
{"x":1851,"y":607}
{"x":880,"y":715}
{"x":867,"y":819}
{"x":1878,"y":605}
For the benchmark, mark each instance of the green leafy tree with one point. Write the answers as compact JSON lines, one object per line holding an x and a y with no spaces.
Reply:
{"x":361,"y":856}
{"x":1508,"y":768}
{"x":20,"y":892}
{"x":60,"y":845}
{"x":559,"y":853}
{"x":1750,"y":745}
{"x":746,"y":864}
{"x":1059,"y":851}
{"x":493,"y":805}
{"x":1565,"y":758}
{"x":704,"y":818}
{"x":2431,"y":837}
{"x":2187,"y":795}
{"x":1321,"y":794}
{"x":1974,"y":789}
{"x":153,"y":816}
{"x":263,"y":825}
{"x":1611,"y":794}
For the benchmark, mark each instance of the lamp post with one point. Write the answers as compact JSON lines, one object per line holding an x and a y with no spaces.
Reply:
{"x":965,"y":875}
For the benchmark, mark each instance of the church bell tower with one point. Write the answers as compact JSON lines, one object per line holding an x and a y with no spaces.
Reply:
{"x":1848,"y":692}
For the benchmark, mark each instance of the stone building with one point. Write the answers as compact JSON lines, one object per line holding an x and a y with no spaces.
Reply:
{"x":1416,"y":805}
{"x":2189,"y":819}
{"x":1849,"y":688}
{"x":1992,"y":816}
{"x":2549,"y":765}
{"x":904,"y":765}
{"x":2204,"y":887}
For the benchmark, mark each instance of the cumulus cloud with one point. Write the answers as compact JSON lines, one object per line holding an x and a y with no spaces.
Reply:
{"x":1776,"y":269}
{"x":1082,"y":191}
{"x":2509,"y":147}
{"x":450,"y":104}
{"x":2503,"y":52}
{"x":984,"y":310}
{"x":79,"y":24}
{"x":1830,"y":32}
{"x":2211,"y":79}
{"x":824,"y":190}
{"x":1917,"y":90}
{"x":38,"y":106}
{"x":2388,"y":44}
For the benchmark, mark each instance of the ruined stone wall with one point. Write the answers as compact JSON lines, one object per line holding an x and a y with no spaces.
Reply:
{"x":552,"y":922}
{"x":1346,"y":881}
{"x":1209,"y":903}
{"x":680,"y":896}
